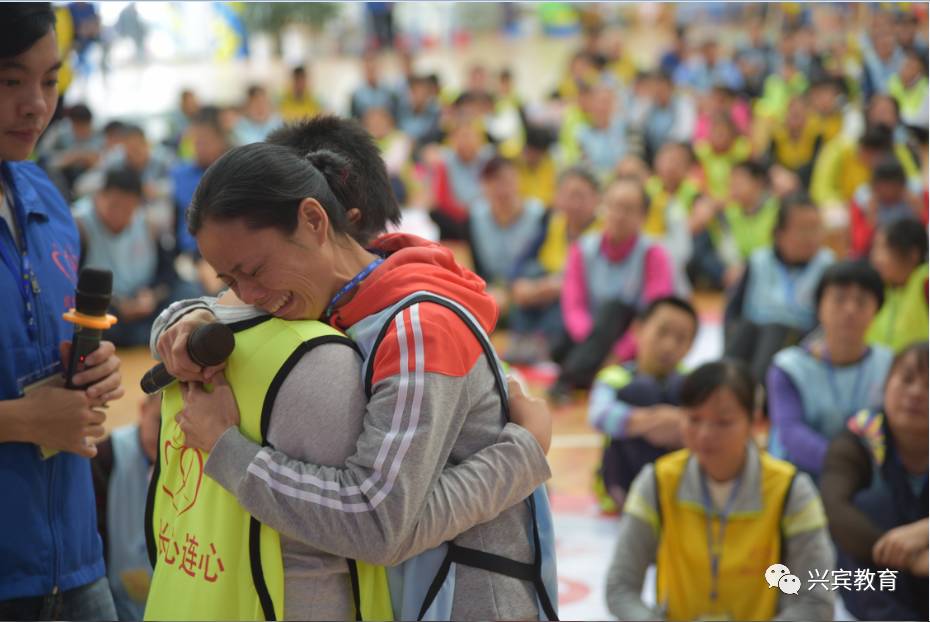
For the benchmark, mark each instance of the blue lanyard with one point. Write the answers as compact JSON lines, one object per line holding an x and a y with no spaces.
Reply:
{"x":358,"y":278}
{"x":21,"y":268}
{"x":715,"y":544}
{"x":835,"y":390}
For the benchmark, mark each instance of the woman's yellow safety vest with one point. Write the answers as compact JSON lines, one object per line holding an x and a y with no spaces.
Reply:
{"x":659,"y":200}
{"x":212,"y":560}
{"x":751,"y":543}
{"x":553,"y":254}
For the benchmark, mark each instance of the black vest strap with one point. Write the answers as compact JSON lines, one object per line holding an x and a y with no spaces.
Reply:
{"x":356,"y":596}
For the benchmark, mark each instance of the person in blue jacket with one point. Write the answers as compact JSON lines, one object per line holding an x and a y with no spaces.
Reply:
{"x":51,"y":561}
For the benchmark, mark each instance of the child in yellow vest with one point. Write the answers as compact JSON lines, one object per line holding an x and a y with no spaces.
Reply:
{"x":796,"y":141}
{"x":536,"y":166}
{"x":899,"y":253}
{"x":715,"y":516}
{"x":299,"y":101}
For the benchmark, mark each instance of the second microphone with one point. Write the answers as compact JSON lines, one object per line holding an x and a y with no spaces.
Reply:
{"x":208,"y":345}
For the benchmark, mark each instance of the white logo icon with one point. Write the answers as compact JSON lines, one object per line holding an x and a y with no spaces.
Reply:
{"x":778,"y":575}
{"x":774,"y":573}
{"x":789,"y":584}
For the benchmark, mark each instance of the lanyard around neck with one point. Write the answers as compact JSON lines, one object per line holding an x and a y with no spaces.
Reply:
{"x":356,"y":280}
{"x":715,"y":541}
{"x":835,"y":389}
{"x":20,"y":267}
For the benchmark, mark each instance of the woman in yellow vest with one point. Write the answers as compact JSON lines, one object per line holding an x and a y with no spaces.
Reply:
{"x":899,"y":253}
{"x":716,"y":516}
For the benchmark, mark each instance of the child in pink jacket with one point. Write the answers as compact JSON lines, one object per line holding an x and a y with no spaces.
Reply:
{"x":609,"y":277}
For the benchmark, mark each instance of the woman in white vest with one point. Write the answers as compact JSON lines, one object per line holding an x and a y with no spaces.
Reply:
{"x":814,"y":387}
{"x":773,"y":305}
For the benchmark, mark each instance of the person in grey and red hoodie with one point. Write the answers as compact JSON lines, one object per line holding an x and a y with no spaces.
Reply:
{"x":436,"y":393}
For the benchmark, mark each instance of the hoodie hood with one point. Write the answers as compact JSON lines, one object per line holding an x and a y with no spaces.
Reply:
{"x":411,"y":265}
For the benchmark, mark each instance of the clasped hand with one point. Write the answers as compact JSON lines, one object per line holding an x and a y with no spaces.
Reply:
{"x":207,"y":414}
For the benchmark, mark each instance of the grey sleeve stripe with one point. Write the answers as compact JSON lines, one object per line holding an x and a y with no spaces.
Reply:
{"x":304,"y":495}
{"x":415,"y":408}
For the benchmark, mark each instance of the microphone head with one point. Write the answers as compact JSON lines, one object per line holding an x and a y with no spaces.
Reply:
{"x":211,"y":344}
{"x":93,"y":291}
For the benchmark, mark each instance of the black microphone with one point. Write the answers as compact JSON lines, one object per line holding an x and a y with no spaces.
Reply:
{"x":208,"y":345}
{"x":90,"y":318}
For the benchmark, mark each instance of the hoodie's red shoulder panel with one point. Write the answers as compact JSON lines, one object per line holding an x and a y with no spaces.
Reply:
{"x":426,"y":338}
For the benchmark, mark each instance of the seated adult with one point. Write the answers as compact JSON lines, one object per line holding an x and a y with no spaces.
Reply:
{"x":814,"y":387}
{"x":772,"y":307}
{"x":115,"y":235}
{"x":535,"y":316}
{"x":874,"y":488}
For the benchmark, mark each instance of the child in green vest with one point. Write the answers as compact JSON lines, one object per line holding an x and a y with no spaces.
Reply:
{"x":752,"y":210}
{"x":909,"y":88}
{"x":121,"y":471}
{"x":734,"y":227}
{"x":719,"y":153}
{"x":899,"y":253}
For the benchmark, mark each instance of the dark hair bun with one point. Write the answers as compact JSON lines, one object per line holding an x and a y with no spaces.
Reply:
{"x":335,"y":168}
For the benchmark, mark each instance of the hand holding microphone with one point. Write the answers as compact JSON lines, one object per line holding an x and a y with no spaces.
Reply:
{"x":90,"y":319}
{"x":205,"y":346}
{"x":63,"y":418}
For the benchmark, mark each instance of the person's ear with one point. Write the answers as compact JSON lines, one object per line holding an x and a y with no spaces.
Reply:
{"x":354,"y":216}
{"x":312,"y":218}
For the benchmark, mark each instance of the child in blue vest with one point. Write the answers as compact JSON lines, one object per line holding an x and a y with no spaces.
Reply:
{"x":874,"y":488}
{"x":815,"y":387}
{"x":501,"y":227}
{"x":773,"y":305}
{"x":121,"y":471}
{"x":636,"y":405}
